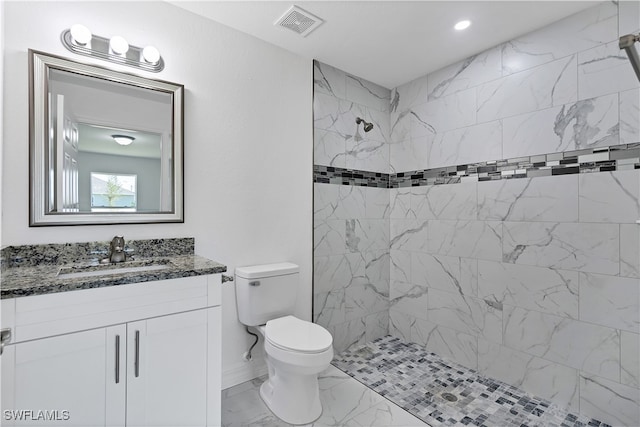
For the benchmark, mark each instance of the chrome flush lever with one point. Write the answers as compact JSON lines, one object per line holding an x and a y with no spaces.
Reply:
{"x":5,"y":338}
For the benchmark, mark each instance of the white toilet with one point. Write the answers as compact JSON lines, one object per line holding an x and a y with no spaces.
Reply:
{"x":297,"y":350}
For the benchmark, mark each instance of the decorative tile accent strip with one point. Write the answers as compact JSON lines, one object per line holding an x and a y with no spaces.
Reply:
{"x":333,"y":175}
{"x":602,"y":159}
{"x":440,"y":392}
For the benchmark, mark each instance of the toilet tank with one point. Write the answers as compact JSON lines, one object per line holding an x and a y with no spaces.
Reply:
{"x":265,"y":292}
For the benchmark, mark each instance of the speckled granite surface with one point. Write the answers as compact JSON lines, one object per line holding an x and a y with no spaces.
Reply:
{"x":33,"y":269}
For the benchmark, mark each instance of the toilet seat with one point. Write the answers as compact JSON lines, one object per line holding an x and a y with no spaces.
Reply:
{"x":292,"y":334}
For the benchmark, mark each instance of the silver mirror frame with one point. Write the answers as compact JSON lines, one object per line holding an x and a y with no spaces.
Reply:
{"x":39,"y":64}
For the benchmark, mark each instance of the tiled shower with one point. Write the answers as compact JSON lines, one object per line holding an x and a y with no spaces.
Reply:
{"x":490,"y":215}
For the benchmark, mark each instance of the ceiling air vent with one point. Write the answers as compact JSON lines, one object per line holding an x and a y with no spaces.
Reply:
{"x":299,"y":21}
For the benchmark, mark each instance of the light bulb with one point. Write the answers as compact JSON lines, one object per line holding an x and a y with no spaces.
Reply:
{"x":151,"y":54}
{"x":462,"y":25}
{"x":123,"y":139}
{"x":80,"y":34}
{"x":118,"y":45}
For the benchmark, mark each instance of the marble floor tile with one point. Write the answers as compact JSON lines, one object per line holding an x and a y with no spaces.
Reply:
{"x":346,"y":402}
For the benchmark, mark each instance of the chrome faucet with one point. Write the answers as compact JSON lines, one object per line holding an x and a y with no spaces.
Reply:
{"x":116,"y":250}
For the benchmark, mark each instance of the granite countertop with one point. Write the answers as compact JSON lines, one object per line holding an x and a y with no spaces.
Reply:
{"x":44,"y":277}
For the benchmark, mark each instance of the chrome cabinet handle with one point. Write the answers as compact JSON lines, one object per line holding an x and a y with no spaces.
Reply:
{"x":5,"y":337}
{"x":137,"y":361}
{"x":117,"y":359}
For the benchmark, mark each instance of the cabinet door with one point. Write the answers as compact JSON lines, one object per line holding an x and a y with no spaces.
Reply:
{"x":62,"y":381}
{"x":167,"y":371}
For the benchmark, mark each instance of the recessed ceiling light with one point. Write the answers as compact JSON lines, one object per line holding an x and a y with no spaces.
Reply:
{"x":462,"y":25}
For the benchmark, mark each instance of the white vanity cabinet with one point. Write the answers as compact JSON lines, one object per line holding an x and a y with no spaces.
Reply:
{"x":145,"y":354}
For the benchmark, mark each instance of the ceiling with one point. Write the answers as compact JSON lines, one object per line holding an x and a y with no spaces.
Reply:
{"x":389,"y":42}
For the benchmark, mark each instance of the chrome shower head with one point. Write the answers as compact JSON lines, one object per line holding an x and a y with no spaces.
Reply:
{"x":367,"y":126}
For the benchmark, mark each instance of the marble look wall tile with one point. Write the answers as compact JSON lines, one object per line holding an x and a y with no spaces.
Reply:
{"x":449,"y":112}
{"x":329,"y":308}
{"x":376,"y":270}
{"x":604,"y":69}
{"x":541,"y":377}
{"x":381,"y":125}
{"x":363,"y":299}
{"x":409,"y":299}
{"x":400,"y":267}
{"x":449,"y":343}
{"x":585,"y":124}
{"x":469,"y":239}
{"x":466,"y":145}
{"x":329,"y":148}
{"x":367,"y":93}
{"x":575,"y":33}
{"x":630,"y":359}
{"x":465,"y":314}
{"x":534,"y":288}
{"x":400,"y":324}
{"x":325,"y":201}
{"x":409,"y":94}
{"x":376,"y":202}
{"x":347,"y":334}
{"x":445,"y":202}
{"x":607,"y":400}
{"x":329,"y":80}
{"x":553,"y":198}
{"x":400,"y":126}
{"x":571,"y":246}
{"x":630,"y":116}
{"x":400,"y":203}
{"x":367,"y":155}
{"x":366,"y":234}
{"x":438,"y":271}
{"x":629,"y":17}
{"x":445,"y":342}
{"x":610,"y":197}
{"x":629,"y":250}
{"x":351,"y":202}
{"x":408,"y":155}
{"x":541,"y":87}
{"x":409,"y":234}
{"x":329,"y":237}
{"x":377,"y":325}
{"x":472,"y":71}
{"x":469,"y":275}
{"x":333,"y":114}
{"x":336,"y":272}
{"x":610,"y":301}
{"x":585,"y":346}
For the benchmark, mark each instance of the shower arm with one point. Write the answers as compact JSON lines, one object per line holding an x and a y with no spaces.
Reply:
{"x":627,"y":43}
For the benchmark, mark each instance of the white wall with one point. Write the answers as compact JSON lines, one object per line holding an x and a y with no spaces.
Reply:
{"x":248,"y":140}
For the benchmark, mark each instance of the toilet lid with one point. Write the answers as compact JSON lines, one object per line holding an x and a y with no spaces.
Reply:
{"x":291,"y":333}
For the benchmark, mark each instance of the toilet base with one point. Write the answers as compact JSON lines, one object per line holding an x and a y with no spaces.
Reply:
{"x":295,"y":401}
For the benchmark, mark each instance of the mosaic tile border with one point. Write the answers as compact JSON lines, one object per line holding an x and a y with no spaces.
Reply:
{"x":340,"y":176}
{"x":441,"y":392}
{"x":601,"y":159}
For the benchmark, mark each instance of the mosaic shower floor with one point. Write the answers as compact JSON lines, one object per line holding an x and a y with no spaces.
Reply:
{"x":426,"y":385}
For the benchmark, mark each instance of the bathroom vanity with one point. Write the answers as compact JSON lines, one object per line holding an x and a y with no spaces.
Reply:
{"x":113,"y":348}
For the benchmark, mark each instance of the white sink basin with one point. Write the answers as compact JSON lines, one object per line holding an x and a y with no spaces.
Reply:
{"x":67,"y":273}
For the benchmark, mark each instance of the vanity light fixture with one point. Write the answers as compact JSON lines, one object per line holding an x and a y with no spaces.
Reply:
{"x":123,"y":139}
{"x":79,"y":39}
{"x":462,"y":25}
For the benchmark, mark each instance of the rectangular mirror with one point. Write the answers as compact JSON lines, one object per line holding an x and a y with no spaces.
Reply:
{"x":105,"y":147}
